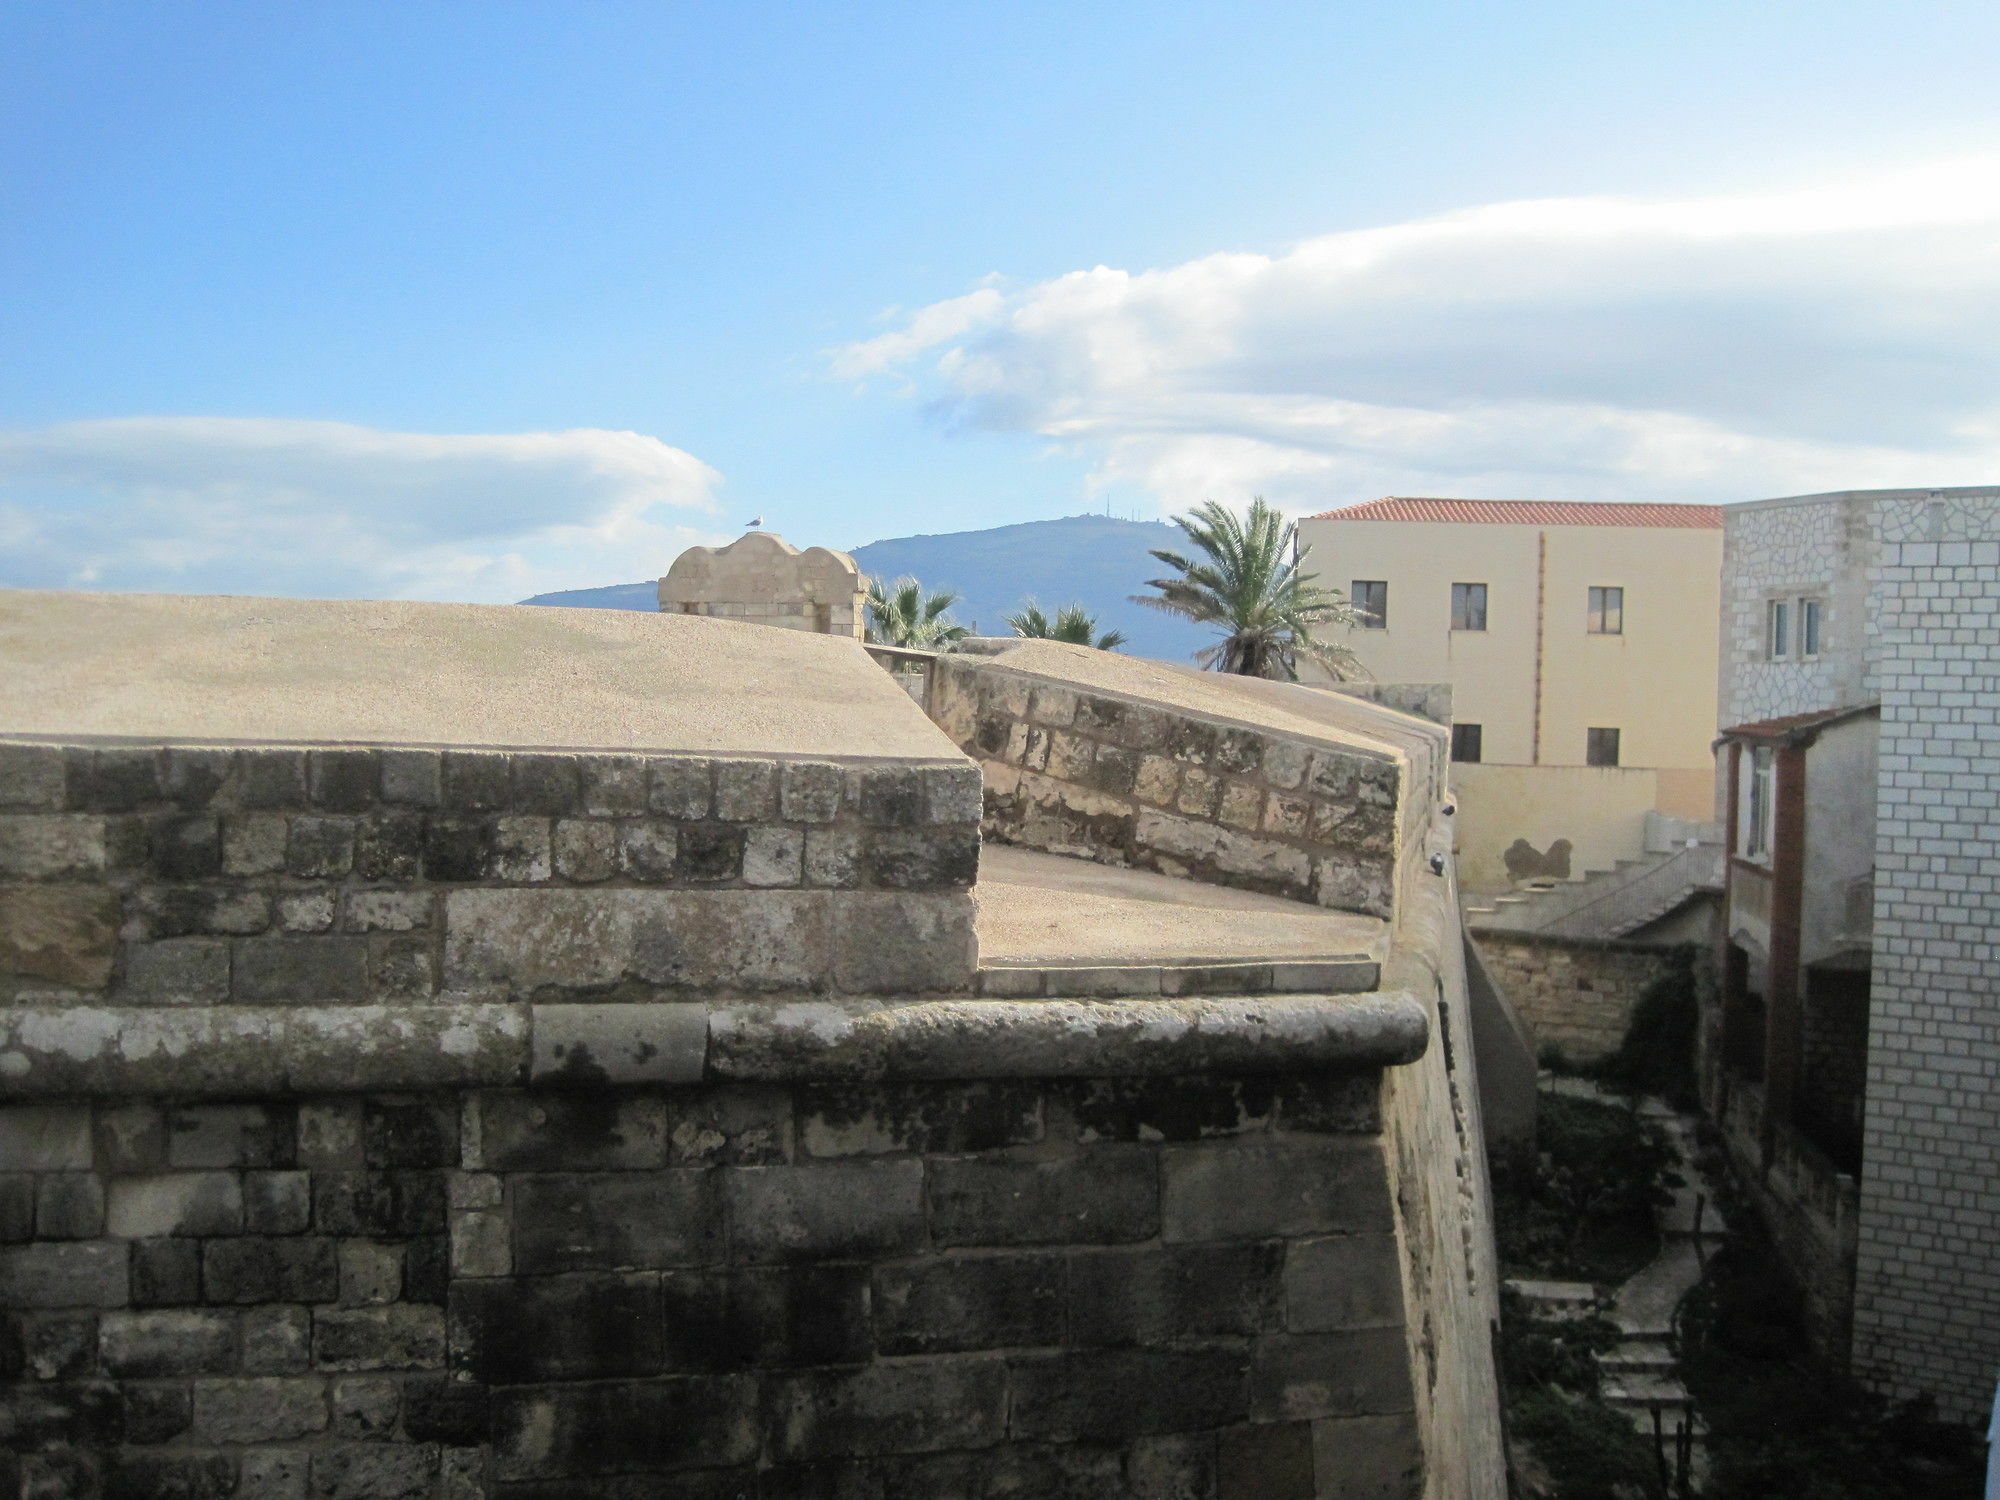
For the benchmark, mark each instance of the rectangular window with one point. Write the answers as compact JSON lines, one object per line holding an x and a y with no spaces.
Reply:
{"x":1468,"y":606}
{"x":1756,"y":833}
{"x":1465,"y":743}
{"x":1370,"y":597}
{"x":1778,"y":630}
{"x":1607,"y":612}
{"x":1809,"y":627}
{"x":1600,"y":747}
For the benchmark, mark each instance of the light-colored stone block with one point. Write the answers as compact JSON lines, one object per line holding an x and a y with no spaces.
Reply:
{"x":620,"y":1044}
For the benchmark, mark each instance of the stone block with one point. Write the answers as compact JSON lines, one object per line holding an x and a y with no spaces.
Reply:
{"x":1258,"y":1190}
{"x":1267,"y":1461}
{"x":258,"y":1410}
{"x":371,"y":1272}
{"x":922,"y":859}
{"x":1242,"y":805}
{"x":766,"y":1317}
{"x":710,"y":853}
{"x":306,"y":911}
{"x":774,"y":857}
{"x":17,"y":1207}
{"x":50,"y":846}
{"x":521,"y":850}
{"x":534,"y":1330}
{"x":918,"y":1407}
{"x":437,"y":1410}
{"x":329,"y":1133}
{"x":890,"y":796}
{"x":389,"y":845}
{"x":388,"y":1204}
{"x":401,"y":966}
{"x":1109,"y":1395}
{"x":551,"y":785}
{"x":1106,"y":1196}
{"x":1157,"y":780}
{"x":156,"y":1413}
{"x":124,"y":779}
{"x":1371,"y":1458}
{"x":481,"y":1243}
{"x":597,"y":1131}
{"x":320,"y":848}
{"x":409,"y":1132}
{"x":953,"y":794}
{"x":183,"y":1476}
{"x":374,"y":1471}
{"x":276,"y":1340}
{"x":56,"y":1345}
{"x":181,"y":1341}
{"x":476,"y":781}
{"x":300,"y":970}
{"x":969,"y":1302}
{"x":413,"y":778}
{"x":810,"y":791}
{"x":1331,"y":1103}
{"x":636,"y":1427}
{"x":177,"y":971}
{"x":746,"y":791}
{"x":607,"y":1221}
{"x":364,"y":1407}
{"x":1364,"y":1372}
{"x":32,"y":778}
{"x":457,"y":848}
{"x":1071,"y":757}
{"x":586,"y":849}
{"x":588,"y":1046}
{"x":61,"y":934}
{"x":1167,"y":1294}
{"x":841,"y":1211}
{"x":398,"y":1336}
{"x":191,"y":777}
{"x":276,"y":1202}
{"x":909,"y":942}
{"x":69,"y":1273}
{"x":611,"y":786}
{"x":682,"y":788}
{"x":254,"y":843}
{"x":232,"y":1135}
{"x":1352,"y":1281}
{"x":649,"y":849}
{"x":263,"y":1268}
{"x":45,"y":1137}
{"x":271,"y":778}
{"x":175,"y":1203}
{"x":166,"y":1273}
{"x":833,"y":856}
{"x":1171,"y":1109}
{"x":879,"y":1119}
{"x":746,"y":1126}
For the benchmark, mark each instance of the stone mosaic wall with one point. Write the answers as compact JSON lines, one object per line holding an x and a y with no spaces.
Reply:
{"x":1818,"y":547}
{"x":1130,"y":783}
{"x":209,"y":876}
{"x":1927,"y":1308}
{"x":1577,"y":994}
{"x":1150,"y":1288}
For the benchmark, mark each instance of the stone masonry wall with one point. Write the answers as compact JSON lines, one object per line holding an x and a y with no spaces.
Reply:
{"x":1577,"y":994}
{"x":1125,"y":782}
{"x":201,"y":876}
{"x":1168,"y":1287}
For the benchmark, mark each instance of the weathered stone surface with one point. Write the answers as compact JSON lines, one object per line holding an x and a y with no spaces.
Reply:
{"x":557,"y":1328}
{"x":76,"y":1273}
{"x":300,"y":970}
{"x":231,"y":1135}
{"x":373,"y":1471}
{"x":175,"y":1203}
{"x":1109,"y":1195}
{"x":841,"y":1211}
{"x":45,"y":1137}
{"x":921,"y":1406}
{"x":1377,"y":1458}
{"x":746,"y":791}
{"x":586,"y":850}
{"x":259,"y":1268}
{"x":1363,"y":1372}
{"x":1267,"y":1461}
{"x":577,"y":1132}
{"x":31,"y":777}
{"x":1260,"y":1189}
{"x":364,"y":1407}
{"x":877,"y":1120}
{"x":623,"y":1428}
{"x":610,"y":1221}
{"x":1165,"y":1295}
{"x":276,"y":1340}
{"x":970,"y":1302}
{"x":589,"y":1046}
{"x":165,"y":1273}
{"x":64,"y":934}
{"x":180,"y":1342}
{"x":378,"y":1203}
{"x":49,"y":846}
{"x":398,"y":1336}
{"x":1126,"y":1393}
{"x":767,"y":1317}
{"x":811,"y":791}
{"x":903,"y":942}
{"x":774,"y":857}
{"x":177,"y":971}
{"x":1350,"y":1281}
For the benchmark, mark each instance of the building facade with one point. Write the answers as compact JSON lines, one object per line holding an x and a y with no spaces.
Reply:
{"x":1579,"y":645}
{"x":1852,"y":1056}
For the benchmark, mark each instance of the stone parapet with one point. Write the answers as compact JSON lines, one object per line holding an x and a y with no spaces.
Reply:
{"x":210,"y":875}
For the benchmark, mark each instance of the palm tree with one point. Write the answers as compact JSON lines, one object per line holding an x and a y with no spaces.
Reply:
{"x":1248,"y":584}
{"x":902,"y":614}
{"x":1073,"y":623}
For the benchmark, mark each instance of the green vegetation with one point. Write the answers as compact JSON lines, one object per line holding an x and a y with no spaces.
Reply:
{"x":902,"y":614}
{"x":1657,"y":1055}
{"x":1585,"y":1211}
{"x":1250,"y":586}
{"x":1072,"y":623}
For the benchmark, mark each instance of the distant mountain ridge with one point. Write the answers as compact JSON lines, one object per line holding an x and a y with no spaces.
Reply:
{"x":1095,"y":561}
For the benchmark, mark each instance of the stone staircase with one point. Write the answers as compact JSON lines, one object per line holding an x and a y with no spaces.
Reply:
{"x":1609,"y":903}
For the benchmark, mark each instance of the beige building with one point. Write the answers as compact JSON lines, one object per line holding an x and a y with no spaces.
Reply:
{"x":762,"y":579}
{"x":1580,"y":643}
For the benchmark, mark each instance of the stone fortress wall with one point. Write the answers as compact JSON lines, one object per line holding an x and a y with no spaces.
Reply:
{"x":761,"y":579}
{"x":396,"y":1120}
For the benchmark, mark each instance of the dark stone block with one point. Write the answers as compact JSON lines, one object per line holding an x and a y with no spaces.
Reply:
{"x":989,"y":736}
{"x":318,"y":848}
{"x":427,"y":1269}
{"x":300,"y":970}
{"x":1362,"y":1372}
{"x":258,"y":1268}
{"x":270,"y":779}
{"x":969,"y":1302}
{"x":409,"y":1132}
{"x":811,"y":791}
{"x":1191,"y":741}
{"x":1162,"y":1295}
{"x":582,"y":1131}
{"x":187,"y":847}
{"x":276,"y":1202}
{"x":114,"y":781}
{"x":697,"y":1422}
{"x":85,"y":1414}
{"x":155,"y":1413}
{"x":1331,"y":1103}
{"x":1113,"y":770}
{"x":611,"y":786}
{"x":547,"y":784}
{"x":1171,"y":1109}
{"x":445,"y":1411}
{"x":922,"y":1118}
{"x":190,"y":778}
{"x":233,"y":1135}
{"x":1127,"y":1393}
{"x":402,"y":966}
{"x":530,"y":1330}
{"x":1099,"y":716}
{"x":1240,"y":752}
{"x":608,"y":1221}
{"x":892,"y":796}
{"x":746,"y":791}
{"x":1109,"y":1195}
{"x":166,"y":1273}
{"x":477,"y":781}
{"x":929,"y":858}
{"x":386,"y":1204}
{"x":170,"y":1476}
{"x":683,"y":789}
{"x":767,"y":1317}
{"x":844,"y":1211}
{"x":173,"y":911}
{"x":374,"y":1471}
{"x":747,"y":1126}
{"x":916,"y":1407}
{"x":710,"y":852}
{"x":457,"y":848}
{"x":389,"y":845}
{"x":1284,"y":1186}
{"x":1271,"y":1461}
{"x":58,"y":1345}
{"x":69,"y":1206}
{"x":394,"y":1336}
{"x":344,"y":780}
{"x":17,"y":1207}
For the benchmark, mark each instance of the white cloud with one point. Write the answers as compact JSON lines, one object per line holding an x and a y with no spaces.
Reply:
{"x":252,"y":505}
{"x":1706,"y":349}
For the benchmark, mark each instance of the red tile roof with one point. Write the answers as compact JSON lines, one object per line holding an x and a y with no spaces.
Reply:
{"x":1528,"y":512}
{"x":1797,"y":727}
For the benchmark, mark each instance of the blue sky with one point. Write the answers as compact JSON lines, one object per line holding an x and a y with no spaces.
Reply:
{"x":470,"y":301}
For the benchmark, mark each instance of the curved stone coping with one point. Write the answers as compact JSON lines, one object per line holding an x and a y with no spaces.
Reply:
{"x":226,"y":1051}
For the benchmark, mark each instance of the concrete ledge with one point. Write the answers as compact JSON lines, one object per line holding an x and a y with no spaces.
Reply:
{"x":245,"y":1051}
